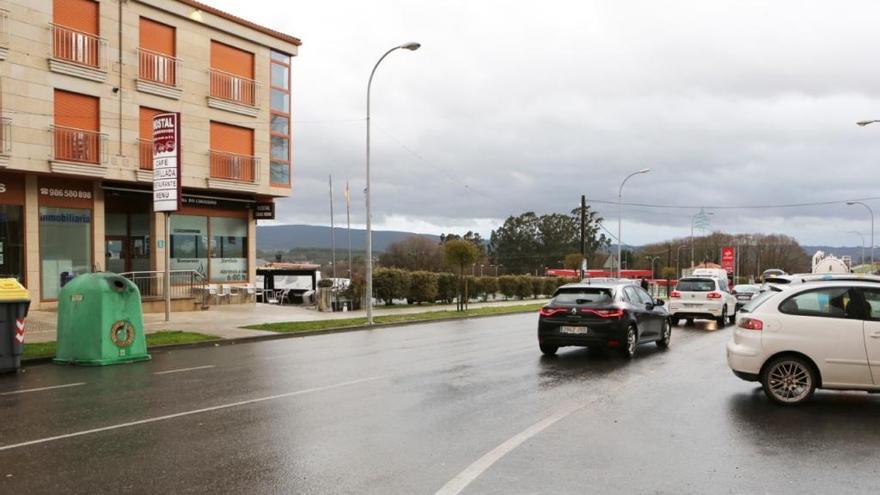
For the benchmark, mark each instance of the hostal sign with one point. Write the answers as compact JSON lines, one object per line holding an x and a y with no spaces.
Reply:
{"x":166,"y":162}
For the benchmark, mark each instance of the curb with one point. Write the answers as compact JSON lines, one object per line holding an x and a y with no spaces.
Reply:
{"x":290,"y":335}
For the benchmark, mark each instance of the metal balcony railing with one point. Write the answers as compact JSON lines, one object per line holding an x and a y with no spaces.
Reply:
{"x":234,"y":167}
{"x":234,"y":88}
{"x":78,"y":145}
{"x":145,"y":154}
{"x":158,"y":68}
{"x":5,"y":136}
{"x":78,"y":47}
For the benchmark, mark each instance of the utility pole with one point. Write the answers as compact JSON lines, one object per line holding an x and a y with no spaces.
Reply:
{"x":668,"y":264}
{"x":348,"y":219}
{"x":583,"y":235}
{"x":332,"y":233}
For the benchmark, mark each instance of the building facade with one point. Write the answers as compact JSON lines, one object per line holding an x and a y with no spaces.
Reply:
{"x":80,"y":81}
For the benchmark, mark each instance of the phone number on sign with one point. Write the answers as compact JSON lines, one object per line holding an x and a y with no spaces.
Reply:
{"x":66,"y":193}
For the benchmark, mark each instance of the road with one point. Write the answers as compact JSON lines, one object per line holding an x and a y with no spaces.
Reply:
{"x":454,"y":407}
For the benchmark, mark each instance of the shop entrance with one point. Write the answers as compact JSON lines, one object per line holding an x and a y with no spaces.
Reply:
{"x":128,"y":230}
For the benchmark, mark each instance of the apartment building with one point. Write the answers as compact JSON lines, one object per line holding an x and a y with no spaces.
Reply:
{"x":80,"y":81}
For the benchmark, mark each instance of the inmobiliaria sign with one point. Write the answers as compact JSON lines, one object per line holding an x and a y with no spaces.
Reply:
{"x":166,"y":162}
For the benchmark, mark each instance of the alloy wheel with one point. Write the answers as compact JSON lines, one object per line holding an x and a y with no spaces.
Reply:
{"x":790,"y":381}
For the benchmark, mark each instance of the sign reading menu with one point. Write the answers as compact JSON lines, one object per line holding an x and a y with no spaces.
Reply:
{"x":166,"y":162}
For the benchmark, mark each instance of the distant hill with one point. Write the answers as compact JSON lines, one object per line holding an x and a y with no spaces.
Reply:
{"x":285,"y":237}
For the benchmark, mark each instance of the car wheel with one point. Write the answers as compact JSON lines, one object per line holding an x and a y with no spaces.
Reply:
{"x":732,"y":318}
{"x":723,"y":318}
{"x":548,"y":350}
{"x":689,"y":322}
{"x":676,"y":321}
{"x":631,"y":344}
{"x":789,"y":380}
{"x":666,"y":336}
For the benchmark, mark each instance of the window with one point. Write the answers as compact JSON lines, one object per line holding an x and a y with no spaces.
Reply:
{"x":157,"y":62}
{"x":279,"y":131}
{"x":644,"y":296}
{"x":229,"y":249}
{"x":76,"y":136}
{"x":65,"y":246}
{"x":828,"y":302}
{"x":629,"y":293}
{"x":872,"y":298}
{"x":232,"y":152}
{"x":189,"y":243}
{"x":696,"y":285}
{"x":232,"y":74}
{"x":587,"y":297}
{"x":12,"y":242}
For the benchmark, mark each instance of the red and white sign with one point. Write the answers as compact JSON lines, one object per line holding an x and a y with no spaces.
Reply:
{"x":166,"y":162}
{"x":19,"y":331}
{"x":728,"y":259}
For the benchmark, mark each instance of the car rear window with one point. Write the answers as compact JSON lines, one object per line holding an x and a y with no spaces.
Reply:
{"x":745,"y":289}
{"x":586,"y":296}
{"x":776,"y":280}
{"x":756,"y":300}
{"x":696,"y":285}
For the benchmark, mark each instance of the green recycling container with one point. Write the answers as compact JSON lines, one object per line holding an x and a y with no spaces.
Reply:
{"x":100,"y":321}
{"x":14,"y":304}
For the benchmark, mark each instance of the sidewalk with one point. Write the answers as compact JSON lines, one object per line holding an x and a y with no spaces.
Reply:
{"x":225,"y":321}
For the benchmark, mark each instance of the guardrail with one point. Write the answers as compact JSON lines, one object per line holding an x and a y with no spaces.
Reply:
{"x":184,"y":284}
{"x":234,"y":88}
{"x":78,"y":145}
{"x":78,"y":47}
{"x":158,"y":67}
{"x":234,"y":167}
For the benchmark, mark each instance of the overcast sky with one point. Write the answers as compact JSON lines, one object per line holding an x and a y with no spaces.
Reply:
{"x":514,"y":106}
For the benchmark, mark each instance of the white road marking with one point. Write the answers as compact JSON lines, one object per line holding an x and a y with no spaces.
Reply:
{"x":181,"y":370}
{"x":187,"y":413}
{"x":14,"y":392}
{"x":472,"y":472}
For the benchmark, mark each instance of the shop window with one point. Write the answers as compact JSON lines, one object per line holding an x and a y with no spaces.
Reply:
{"x":65,"y":246}
{"x":229,"y":249}
{"x":189,"y":243}
{"x":11,"y":242}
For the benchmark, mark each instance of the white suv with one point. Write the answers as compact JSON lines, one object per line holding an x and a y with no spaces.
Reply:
{"x":813,"y":335}
{"x":702,"y":298}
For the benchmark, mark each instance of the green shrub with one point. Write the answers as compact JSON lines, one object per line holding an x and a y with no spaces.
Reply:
{"x":537,"y":286}
{"x":523,"y":286}
{"x":390,"y":284}
{"x":488,"y":286}
{"x":550,"y":285}
{"x":424,"y":287}
{"x":507,"y":285}
{"x":447,"y":287}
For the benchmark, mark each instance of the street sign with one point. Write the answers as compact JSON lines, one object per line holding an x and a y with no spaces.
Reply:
{"x":166,"y":162}
{"x":264,"y":211}
{"x":728,"y":259}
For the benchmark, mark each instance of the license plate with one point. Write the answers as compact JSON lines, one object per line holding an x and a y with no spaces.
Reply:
{"x":575,"y":330}
{"x":692,"y":305}
{"x":743,"y":298}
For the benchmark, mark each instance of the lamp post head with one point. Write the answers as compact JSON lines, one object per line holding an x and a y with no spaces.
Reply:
{"x":644,"y":171}
{"x":863,"y":123}
{"x":411,"y":46}
{"x":850,"y":203}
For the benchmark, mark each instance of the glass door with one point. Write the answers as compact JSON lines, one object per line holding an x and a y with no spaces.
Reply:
{"x":118,"y":258}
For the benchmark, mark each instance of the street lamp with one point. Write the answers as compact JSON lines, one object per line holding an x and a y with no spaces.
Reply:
{"x":653,"y":259}
{"x":863,"y":123}
{"x":851,"y":203}
{"x":856,"y":232}
{"x":369,"y":295}
{"x":694,"y":219}
{"x":620,"y":214}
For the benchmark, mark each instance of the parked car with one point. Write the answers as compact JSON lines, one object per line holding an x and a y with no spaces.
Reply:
{"x":702,"y":298}
{"x":613,"y":315}
{"x":744,"y":293}
{"x":814,"y":335}
{"x":772,"y":272}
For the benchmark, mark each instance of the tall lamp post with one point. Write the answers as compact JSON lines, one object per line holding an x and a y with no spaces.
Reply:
{"x":620,"y":214}
{"x":369,"y":292}
{"x":700,"y":213}
{"x":851,"y":203}
{"x":653,"y":259}
{"x":862,"y":237}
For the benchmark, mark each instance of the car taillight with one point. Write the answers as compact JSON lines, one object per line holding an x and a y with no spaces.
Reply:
{"x":714,"y":295}
{"x":750,"y":324}
{"x":551,"y":311}
{"x":609,"y":313}
{"x":675,"y":294}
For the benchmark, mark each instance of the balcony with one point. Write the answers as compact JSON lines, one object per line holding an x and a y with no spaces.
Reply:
{"x":4,"y":34}
{"x":5,"y":141}
{"x":233,"y":93}
{"x":159,"y":74}
{"x":145,"y":160}
{"x":79,"y":54}
{"x":234,"y":172}
{"x":78,"y":151}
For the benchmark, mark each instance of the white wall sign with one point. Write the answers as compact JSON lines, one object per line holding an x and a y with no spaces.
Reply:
{"x":166,"y":162}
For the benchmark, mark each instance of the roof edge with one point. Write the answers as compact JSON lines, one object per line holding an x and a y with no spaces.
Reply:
{"x":244,"y":22}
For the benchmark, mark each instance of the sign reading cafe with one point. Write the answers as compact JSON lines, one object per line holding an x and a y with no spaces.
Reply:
{"x":166,"y":162}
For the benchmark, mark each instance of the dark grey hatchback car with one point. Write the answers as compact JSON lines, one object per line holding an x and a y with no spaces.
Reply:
{"x":608,"y":315}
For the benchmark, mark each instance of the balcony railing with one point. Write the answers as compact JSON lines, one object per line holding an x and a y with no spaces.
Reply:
{"x":234,"y":88}
{"x":78,"y":47}
{"x":4,"y":27}
{"x":234,"y":167}
{"x":145,"y":154}
{"x":158,"y":68}
{"x":184,"y":284}
{"x":78,"y":145}
{"x":5,"y":136}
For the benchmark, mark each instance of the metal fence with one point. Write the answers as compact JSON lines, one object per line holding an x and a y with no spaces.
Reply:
{"x":184,"y":284}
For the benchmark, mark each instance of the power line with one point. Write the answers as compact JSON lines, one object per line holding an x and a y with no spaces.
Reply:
{"x":733,"y":207}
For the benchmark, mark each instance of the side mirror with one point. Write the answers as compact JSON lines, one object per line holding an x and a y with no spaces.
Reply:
{"x":659,"y":302}
{"x":649,"y":306}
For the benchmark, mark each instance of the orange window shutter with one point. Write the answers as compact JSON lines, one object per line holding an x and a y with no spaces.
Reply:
{"x":157,"y":37}
{"x":232,"y":60}
{"x":232,"y":139}
{"x":146,"y":122}
{"x":77,"y":111}
{"x":81,"y":15}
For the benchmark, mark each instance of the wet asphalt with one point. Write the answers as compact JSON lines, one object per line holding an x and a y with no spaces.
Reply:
{"x":405,"y":410}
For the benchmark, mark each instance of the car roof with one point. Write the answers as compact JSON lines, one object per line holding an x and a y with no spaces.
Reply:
{"x":598,"y":285}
